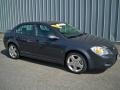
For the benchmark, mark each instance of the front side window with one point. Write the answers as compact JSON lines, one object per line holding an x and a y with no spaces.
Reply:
{"x":26,"y":30}
{"x":66,"y":29}
{"x":43,"y":30}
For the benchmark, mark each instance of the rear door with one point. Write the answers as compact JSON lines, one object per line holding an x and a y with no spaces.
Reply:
{"x":26,"y":37}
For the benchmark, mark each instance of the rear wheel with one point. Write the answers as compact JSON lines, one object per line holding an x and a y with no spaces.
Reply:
{"x":13,"y":51}
{"x":76,"y":63}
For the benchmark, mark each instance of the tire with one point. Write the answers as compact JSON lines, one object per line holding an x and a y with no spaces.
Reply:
{"x":76,"y":63}
{"x":13,"y":51}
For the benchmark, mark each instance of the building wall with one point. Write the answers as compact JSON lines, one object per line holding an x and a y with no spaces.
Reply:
{"x":97,"y":17}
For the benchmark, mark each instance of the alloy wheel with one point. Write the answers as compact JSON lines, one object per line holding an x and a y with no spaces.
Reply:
{"x":13,"y":52}
{"x":76,"y":63}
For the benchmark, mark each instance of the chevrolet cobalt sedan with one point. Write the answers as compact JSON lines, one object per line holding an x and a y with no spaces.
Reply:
{"x":60,"y":43}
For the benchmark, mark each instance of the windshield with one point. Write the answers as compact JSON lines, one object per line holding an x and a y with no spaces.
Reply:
{"x":67,"y":30}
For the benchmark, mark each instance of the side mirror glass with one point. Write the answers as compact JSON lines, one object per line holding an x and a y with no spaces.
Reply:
{"x":53,"y":37}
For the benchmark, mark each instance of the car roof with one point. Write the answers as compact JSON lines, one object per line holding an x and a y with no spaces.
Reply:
{"x":45,"y":22}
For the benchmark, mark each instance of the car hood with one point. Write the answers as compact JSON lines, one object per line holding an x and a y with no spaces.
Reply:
{"x":92,"y":40}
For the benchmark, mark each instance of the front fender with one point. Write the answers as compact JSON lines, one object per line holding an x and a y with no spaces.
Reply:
{"x":83,"y":52}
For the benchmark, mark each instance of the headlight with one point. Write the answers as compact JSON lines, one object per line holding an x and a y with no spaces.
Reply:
{"x":101,"y":50}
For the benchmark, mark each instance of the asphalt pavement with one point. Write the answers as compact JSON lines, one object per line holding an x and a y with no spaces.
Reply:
{"x":31,"y":74}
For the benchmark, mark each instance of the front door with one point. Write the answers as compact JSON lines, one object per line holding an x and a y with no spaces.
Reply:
{"x":48,"y":49}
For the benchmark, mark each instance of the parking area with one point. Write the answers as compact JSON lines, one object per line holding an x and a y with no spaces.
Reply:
{"x":30,"y":74}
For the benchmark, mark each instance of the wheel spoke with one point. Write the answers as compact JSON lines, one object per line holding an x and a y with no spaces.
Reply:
{"x":12,"y":51}
{"x":75,"y":63}
{"x":71,"y":63}
{"x":78,"y":59}
{"x":12,"y":47}
{"x":74,"y":67}
{"x":72,"y":58}
{"x":79,"y":65}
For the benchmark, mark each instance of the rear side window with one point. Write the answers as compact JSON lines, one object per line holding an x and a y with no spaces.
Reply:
{"x":26,"y":30}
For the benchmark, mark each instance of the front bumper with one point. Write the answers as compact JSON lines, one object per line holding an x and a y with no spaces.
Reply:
{"x":104,"y":62}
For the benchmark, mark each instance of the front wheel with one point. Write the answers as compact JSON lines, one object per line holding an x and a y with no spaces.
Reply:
{"x":76,"y":63}
{"x":13,"y":51}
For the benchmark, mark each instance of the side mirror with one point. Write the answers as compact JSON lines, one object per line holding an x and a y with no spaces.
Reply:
{"x":53,"y":37}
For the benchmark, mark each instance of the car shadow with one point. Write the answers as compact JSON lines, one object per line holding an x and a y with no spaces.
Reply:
{"x":4,"y":52}
{"x":96,"y":71}
{"x":49,"y":64}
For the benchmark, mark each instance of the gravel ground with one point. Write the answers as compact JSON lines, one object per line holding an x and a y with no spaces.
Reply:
{"x":29,"y":74}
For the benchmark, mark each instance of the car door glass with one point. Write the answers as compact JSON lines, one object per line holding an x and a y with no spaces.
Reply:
{"x":18,"y":30}
{"x":44,"y":31}
{"x":27,"y":30}
{"x":39,"y":32}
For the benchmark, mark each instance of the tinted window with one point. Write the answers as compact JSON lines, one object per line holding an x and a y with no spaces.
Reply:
{"x":44,"y":30}
{"x":26,"y":30}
